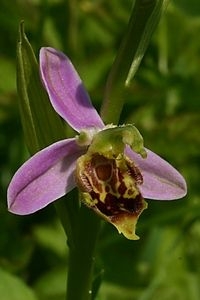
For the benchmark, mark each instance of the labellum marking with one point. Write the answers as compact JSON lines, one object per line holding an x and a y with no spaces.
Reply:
{"x":110,"y":187}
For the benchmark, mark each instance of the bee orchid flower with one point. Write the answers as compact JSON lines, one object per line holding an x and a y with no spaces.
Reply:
{"x":109,"y":164}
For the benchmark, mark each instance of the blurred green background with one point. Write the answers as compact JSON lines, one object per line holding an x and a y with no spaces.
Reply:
{"x":164,"y":103}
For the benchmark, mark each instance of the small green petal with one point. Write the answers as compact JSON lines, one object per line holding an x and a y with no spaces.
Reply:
{"x":111,"y":142}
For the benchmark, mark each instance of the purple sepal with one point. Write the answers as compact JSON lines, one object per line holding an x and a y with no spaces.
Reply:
{"x":161,"y":181}
{"x":66,"y":91}
{"x":45,"y":177}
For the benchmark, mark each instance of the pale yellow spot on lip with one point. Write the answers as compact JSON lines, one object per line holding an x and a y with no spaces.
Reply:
{"x":125,"y":224}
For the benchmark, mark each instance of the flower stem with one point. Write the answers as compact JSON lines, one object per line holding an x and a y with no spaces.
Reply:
{"x":82,"y":227}
{"x":67,"y":210}
{"x":81,"y":256}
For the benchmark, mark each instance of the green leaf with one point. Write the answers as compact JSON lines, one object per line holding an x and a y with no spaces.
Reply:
{"x":144,"y":17}
{"x":41,"y":124}
{"x":12,"y":288}
{"x":150,"y":15}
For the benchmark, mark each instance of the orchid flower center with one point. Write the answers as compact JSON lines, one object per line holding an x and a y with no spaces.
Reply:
{"x":109,"y":181}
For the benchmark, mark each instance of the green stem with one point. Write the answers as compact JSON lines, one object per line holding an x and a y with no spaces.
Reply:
{"x":67,"y":209}
{"x":81,"y":257}
{"x":81,"y":226}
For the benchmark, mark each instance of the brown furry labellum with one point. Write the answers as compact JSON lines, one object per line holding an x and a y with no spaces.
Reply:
{"x":110,"y":187}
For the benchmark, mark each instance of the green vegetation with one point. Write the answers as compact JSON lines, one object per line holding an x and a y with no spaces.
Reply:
{"x":162,"y":101}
